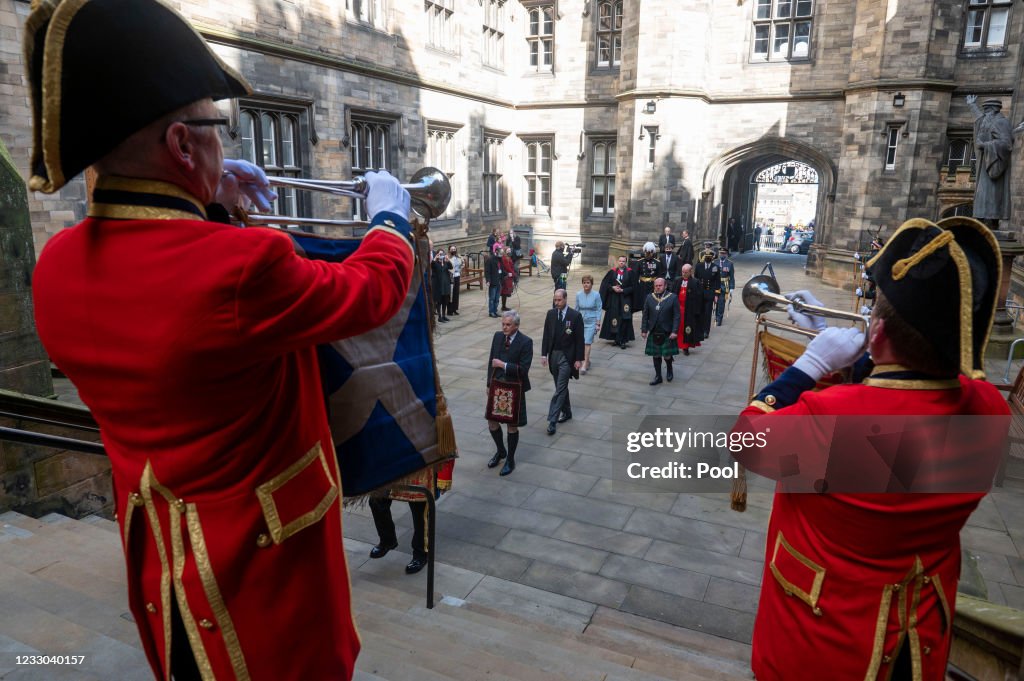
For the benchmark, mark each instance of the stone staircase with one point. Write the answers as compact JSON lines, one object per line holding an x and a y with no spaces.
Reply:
{"x":62,"y":593}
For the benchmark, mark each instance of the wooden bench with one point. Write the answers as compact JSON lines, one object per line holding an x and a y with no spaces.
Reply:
{"x":473,"y":271}
{"x":526,"y":268}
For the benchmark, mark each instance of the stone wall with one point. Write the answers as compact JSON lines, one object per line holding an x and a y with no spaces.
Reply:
{"x":716,"y":107}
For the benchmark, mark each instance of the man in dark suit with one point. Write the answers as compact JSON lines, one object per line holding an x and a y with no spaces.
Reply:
{"x":510,"y":359}
{"x":492,"y":275}
{"x":667,"y":239}
{"x":562,"y":348}
{"x":685,"y":251}
{"x":671,"y":266}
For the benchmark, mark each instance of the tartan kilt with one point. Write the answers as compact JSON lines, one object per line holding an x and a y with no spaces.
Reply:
{"x":670,"y":348}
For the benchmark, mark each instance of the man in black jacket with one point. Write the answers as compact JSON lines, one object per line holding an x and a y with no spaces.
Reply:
{"x":709,"y":280}
{"x":510,"y":359}
{"x":661,"y":321}
{"x":667,"y":239}
{"x":671,"y":265}
{"x":560,"y":261}
{"x":492,"y":275}
{"x":562,"y":349}
{"x":685,"y":251}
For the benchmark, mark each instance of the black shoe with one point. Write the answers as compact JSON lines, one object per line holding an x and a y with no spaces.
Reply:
{"x":686,"y":351}
{"x":668,"y":375}
{"x":381,"y":550}
{"x":656,"y":381}
{"x":563,"y":417}
{"x":719,"y":322}
{"x":551,"y":427}
{"x":509,"y":466}
{"x":492,"y":314}
{"x":443,"y":319}
{"x":455,"y":312}
{"x":496,"y":459}
{"x":415,"y":565}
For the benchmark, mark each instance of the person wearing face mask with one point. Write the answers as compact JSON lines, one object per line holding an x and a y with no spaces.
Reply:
{"x":454,"y":265}
{"x":709,"y":279}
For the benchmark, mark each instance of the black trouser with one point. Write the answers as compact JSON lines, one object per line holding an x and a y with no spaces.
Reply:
{"x":183,"y":661}
{"x":705,"y":320}
{"x":622,"y":333}
{"x":381,"y":510}
{"x":453,"y":306}
{"x":561,"y":370}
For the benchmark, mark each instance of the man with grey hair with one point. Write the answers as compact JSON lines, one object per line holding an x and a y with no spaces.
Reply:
{"x":562,"y":349}
{"x":509,"y":360}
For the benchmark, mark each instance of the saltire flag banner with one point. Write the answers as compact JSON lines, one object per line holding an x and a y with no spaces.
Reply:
{"x":780,"y":353}
{"x":381,"y":387}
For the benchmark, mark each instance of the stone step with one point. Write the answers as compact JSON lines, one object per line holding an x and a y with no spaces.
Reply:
{"x":687,"y":639}
{"x":97,"y":521}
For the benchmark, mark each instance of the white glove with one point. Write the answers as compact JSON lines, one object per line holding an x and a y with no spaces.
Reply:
{"x":801,"y":319}
{"x":865,"y":310}
{"x":833,"y":349}
{"x":252,"y":182}
{"x":385,"y":194}
{"x":859,"y":292}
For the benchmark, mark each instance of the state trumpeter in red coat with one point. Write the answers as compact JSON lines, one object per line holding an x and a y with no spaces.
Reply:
{"x":863,"y":585}
{"x":192,"y":343}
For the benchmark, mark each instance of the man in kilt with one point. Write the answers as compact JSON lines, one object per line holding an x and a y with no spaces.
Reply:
{"x":659,"y":328}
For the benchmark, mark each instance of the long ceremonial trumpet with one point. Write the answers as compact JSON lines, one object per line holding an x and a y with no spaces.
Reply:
{"x":762,"y":294}
{"x":430,"y":191}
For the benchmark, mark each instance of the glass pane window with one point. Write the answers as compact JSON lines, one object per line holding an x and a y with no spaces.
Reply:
{"x":248,"y":134}
{"x":540,"y":38}
{"x":538,"y":176}
{"x":782,"y":30}
{"x":441,"y":24}
{"x":985,"y":26}
{"x":892,"y":139}
{"x":268,"y":124}
{"x":270,"y":137}
{"x":371,"y":150}
{"x":494,"y":202}
{"x":609,"y":33}
{"x":602,"y":178}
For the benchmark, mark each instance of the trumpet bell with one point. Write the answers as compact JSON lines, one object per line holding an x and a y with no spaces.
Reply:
{"x":432,"y":192}
{"x":757,"y":294}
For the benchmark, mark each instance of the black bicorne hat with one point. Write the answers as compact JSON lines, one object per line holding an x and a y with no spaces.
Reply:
{"x":101,"y":70}
{"x":955,"y":263}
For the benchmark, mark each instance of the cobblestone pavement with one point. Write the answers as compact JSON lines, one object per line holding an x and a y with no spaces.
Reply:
{"x":556,"y":524}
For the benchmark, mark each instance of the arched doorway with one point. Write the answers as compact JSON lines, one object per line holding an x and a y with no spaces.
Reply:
{"x":783,"y":197}
{"x":730,"y":185}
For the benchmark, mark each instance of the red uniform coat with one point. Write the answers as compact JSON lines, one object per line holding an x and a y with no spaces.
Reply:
{"x":192,"y":344}
{"x":849,"y":577}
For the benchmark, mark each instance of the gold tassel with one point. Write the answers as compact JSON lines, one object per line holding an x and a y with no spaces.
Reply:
{"x":738,"y":498}
{"x":445,"y":428}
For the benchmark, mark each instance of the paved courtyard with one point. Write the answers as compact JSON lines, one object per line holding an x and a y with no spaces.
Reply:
{"x":556,"y":525}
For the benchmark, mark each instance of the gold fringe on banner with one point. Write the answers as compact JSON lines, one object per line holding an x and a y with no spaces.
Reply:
{"x":738,"y":498}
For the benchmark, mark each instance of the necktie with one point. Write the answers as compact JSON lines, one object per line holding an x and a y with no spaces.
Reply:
{"x":508,"y":342}
{"x":561,"y":316}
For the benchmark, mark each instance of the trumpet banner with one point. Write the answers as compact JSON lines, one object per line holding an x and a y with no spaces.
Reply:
{"x":387,"y":413}
{"x":780,"y":353}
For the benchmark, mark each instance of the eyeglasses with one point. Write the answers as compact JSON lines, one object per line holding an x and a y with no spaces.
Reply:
{"x":200,"y":122}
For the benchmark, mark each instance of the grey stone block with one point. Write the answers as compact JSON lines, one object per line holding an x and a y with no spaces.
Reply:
{"x":584,"y":509}
{"x":691,"y":533}
{"x":655,"y":576}
{"x":603,"y":538}
{"x":689,"y":613}
{"x":734,"y":595}
{"x":575,"y":584}
{"x":707,"y":562}
{"x":500,"y":514}
{"x":553,"y":551}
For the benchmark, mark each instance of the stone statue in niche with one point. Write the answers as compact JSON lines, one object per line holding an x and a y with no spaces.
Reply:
{"x":993,"y":144}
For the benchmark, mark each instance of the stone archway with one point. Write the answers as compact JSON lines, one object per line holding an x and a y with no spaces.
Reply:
{"x":726,"y":189}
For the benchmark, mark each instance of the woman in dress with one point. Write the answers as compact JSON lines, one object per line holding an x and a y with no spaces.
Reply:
{"x":588,"y":304}
{"x":509,"y":275}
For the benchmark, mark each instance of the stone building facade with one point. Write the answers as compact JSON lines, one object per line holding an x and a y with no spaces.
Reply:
{"x":538,"y":108}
